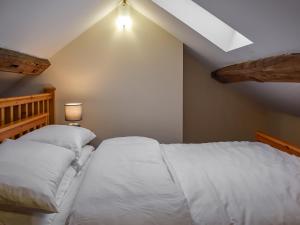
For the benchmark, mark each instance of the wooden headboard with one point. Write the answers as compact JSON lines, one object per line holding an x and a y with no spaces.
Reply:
{"x":19,"y":115}
{"x":279,"y":144}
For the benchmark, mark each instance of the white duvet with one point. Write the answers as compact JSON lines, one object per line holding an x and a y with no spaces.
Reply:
{"x":238,"y":183}
{"x":129,"y":184}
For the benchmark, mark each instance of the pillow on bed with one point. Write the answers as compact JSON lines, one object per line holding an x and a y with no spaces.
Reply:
{"x":70,"y":137}
{"x":30,"y":173}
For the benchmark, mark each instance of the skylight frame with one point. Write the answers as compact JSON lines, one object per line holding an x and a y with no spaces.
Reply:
{"x":205,"y":23}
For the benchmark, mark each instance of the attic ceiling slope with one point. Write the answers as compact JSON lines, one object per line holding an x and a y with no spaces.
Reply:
{"x":273,"y":26}
{"x":41,"y":28}
{"x":47,"y":26}
{"x":205,"y":23}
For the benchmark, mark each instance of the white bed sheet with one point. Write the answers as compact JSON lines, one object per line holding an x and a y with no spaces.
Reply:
{"x":65,"y":202}
{"x":239,"y":183}
{"x":129,"y":184}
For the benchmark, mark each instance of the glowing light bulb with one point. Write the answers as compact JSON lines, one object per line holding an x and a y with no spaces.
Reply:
{"x":124,"y":22}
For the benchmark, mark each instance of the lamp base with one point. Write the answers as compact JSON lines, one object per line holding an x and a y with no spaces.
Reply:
{"x":74,"y":124}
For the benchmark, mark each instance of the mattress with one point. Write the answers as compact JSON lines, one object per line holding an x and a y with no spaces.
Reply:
{"x":66,"y":199}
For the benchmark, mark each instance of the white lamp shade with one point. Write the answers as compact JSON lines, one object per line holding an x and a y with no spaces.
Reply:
{"x":73,"y":111}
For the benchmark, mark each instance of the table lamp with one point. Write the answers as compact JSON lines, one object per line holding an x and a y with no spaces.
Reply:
{"x":73,"y":113}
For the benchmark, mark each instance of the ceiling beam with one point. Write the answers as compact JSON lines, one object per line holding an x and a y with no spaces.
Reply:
{"x":282,"y":68}
{"x":16,"y":62}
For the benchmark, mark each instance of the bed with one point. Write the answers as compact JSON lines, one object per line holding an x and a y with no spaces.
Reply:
{"x":138,"y":181}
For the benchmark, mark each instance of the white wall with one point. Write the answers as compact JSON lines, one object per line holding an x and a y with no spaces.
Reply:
{"x":285,"y":127}
{"x":215,"y":112}
{"x":218,"y":112}
{"x":131,"y":83}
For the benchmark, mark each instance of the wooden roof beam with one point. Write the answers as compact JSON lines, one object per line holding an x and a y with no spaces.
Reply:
{"x":16,"y":62}
{"x":282,"y":68}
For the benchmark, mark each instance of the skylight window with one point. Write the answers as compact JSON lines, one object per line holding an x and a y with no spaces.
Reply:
{"x":206,"y":24}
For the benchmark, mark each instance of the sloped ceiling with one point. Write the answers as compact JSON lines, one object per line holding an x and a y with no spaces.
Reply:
{"x":41,"y":28}
{"x":273,"y":26}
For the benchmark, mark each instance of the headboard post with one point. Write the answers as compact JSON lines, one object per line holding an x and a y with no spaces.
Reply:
{"x":51,"y":90}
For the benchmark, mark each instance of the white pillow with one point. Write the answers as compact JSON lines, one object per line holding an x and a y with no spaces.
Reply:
{"x":30,"y":173}
{"x":70,"y":137}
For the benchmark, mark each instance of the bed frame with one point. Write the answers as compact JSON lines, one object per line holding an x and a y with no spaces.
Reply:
{"x":279,"y":144}
{"x":20,"y":115}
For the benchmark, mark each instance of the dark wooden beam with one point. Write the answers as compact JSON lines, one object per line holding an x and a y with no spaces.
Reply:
{"x":282,"y":68}
{"x":16,"y":62}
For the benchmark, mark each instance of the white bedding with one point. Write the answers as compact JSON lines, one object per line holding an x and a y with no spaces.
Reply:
{"x":65,"y":197}
{"x":129,"y":184}
{"x":238,"y":183}
{"x":136,"y":181}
